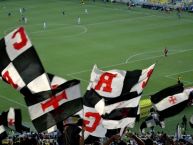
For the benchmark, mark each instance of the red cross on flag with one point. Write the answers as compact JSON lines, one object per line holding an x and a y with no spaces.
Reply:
{"x":56,"y":105}
{"x":170,"y":101}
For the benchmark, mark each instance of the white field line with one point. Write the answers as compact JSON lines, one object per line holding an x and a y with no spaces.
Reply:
{"x":58,"y":28}
{"x":89,"y":24}
{"x":138,"y":54}
{"x":13,"y":101}
{"x":84,"y":27}
{"x":83,"y":31}
{"x":117,"y":21}
{"x":123,"y":63}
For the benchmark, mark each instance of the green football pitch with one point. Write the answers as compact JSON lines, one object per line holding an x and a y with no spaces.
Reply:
{"x":110,"y":36}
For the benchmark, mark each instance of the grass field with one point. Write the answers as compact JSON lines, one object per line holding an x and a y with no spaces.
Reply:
{"x":110,"y":36}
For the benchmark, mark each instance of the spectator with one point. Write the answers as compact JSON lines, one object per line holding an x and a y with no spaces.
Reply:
{"x":86,"y":11}
{"x":179,"y":79}
{"x":78,"y":20}
{"x":44,"y":25}
{"x":184,"y":122}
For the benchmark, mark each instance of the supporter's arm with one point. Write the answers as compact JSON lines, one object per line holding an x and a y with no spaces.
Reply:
{"x":113,"y":138}
{"x":81,"y":141}
{"x":137,"y":139}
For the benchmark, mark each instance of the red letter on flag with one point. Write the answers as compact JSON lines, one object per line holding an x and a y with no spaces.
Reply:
{"x":149,"y":73}
{"x":23,"y":42}
{"x":96,"y":122}
{"x":106,"y":78}
{"x":9,"y":80}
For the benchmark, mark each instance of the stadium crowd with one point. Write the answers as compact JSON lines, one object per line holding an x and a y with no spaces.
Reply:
{"x":54,"y":138}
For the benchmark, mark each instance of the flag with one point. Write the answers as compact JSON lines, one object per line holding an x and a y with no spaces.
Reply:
{"x":49,"y":99}
{"x":20,"y":65}
{"x":170,"y":101}
{"x":191,"y":121}
{"x":3,"y":133}
{"x":48,"y":108}
{"x":13,"y":120}
{"x":112,"y":99}
{"x":151,"y":121}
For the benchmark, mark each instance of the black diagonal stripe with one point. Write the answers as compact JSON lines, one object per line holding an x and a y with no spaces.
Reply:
{"x":123,"y":97}
{"x":65,"y":85}
{"x":4,"y":58}
{"x":18,"y":120}
{"x":51,"y":118}
{"x":169,"y":91}
{"x":91,"y":98}
{"x":131,"y":78}
{"x":120,"y":113}
{"x":50,"y":76}
{"x":28,"y":65}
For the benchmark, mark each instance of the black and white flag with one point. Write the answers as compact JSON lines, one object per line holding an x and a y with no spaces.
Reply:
{"x":21,"y":67}
{"x":112,"y":99}
{"x":170,"y":101}
{"x":63,"y":101}
{"x":13,"y":120}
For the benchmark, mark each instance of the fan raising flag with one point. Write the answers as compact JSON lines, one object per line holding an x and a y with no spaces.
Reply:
{"x":170,"y":101}
{"x":112,"y":99}
{"x":21,"y":67}
{"x":13,"y":119}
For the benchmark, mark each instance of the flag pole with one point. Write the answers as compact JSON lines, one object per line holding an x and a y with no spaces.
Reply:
{"x":83,"y":127}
